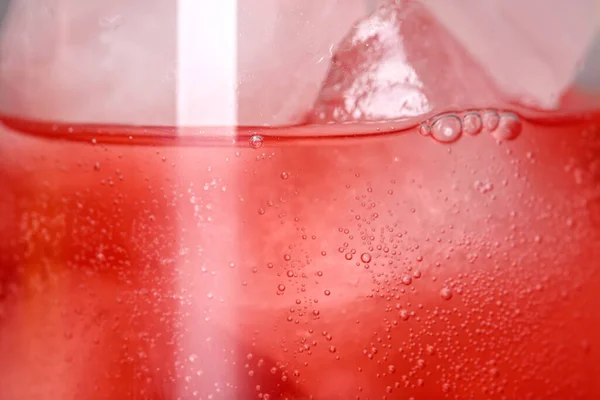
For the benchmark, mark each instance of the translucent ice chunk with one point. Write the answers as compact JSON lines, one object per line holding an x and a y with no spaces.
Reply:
{"x":284,"y":53}
{"x":400,"y":63}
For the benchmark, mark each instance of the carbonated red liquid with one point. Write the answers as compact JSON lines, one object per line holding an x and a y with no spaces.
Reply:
{"x":388,"y":266}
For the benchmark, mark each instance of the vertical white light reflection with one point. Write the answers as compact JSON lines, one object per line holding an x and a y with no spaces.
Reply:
{"x":207,"y":62}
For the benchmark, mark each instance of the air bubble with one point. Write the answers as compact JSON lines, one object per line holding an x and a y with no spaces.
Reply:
{"x":365,"y":257}
{"x":425,"y":129}
{"x":404,"y":315}
{"x":446,"y":293}
{"x":509,"y":127}
{"x":490,"y":120}
{"x":483,"y":187}
{"x":472,"y":123}
{"x":256,"y":141}
{"x":446,"y":129}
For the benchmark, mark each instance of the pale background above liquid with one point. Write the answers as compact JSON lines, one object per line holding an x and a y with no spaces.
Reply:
{"x":67,"y":50}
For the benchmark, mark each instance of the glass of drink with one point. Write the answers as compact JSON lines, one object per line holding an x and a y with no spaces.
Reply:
{"x":279,"y":200}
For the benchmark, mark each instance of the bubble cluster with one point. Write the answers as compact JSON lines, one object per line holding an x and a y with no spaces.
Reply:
{"x":448,"y":128}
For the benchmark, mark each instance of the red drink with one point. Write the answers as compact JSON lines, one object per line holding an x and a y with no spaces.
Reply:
{"x":135,"y":266}
{"x":450,"y":259}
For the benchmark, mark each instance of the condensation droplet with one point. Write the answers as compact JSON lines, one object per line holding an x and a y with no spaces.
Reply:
{"x":284,"y":175}
{"x":509,"y":127}
{"x":256,"y":141}
{"x":281,"y":287}
{"x":446,"y":129}
{"x":472,"y":123}
{"x":425,"y":129}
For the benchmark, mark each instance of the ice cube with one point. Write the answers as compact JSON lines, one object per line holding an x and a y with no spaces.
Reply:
{"x":400,"y":63}
{"x":285,"y":48}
